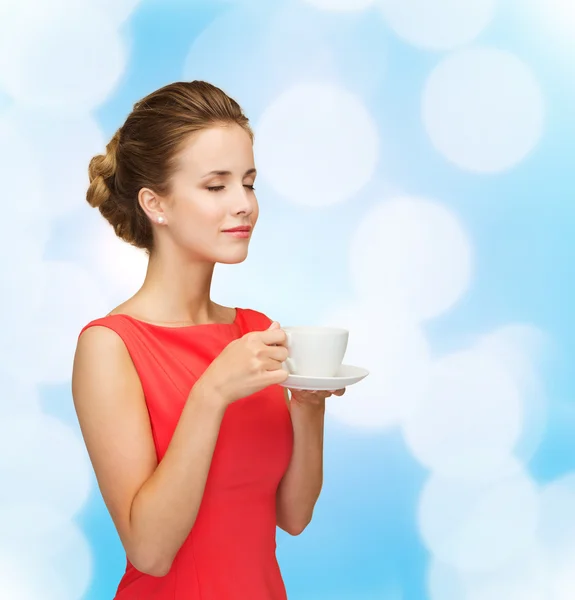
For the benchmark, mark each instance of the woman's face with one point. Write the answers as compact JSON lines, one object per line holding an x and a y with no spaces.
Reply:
{"x":212,"y":191}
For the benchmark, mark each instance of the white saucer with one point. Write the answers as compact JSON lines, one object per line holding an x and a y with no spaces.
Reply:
{"x":346,"y":375}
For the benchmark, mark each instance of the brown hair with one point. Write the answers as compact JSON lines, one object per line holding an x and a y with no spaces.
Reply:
{"x":142,"y":152}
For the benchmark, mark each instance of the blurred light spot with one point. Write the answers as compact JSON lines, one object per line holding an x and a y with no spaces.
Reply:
{"x":224,"y":58}
{"x":119,"y":267}
{"x":520,"y":345}
{"x":329,"y":146}
{"x":46,"y":547}
{"x":412,"y":252}
{"x":470,"y":420}
{"x":477,"y":527}
{"x":438,"y":24}
{"x":556,"y":533}
{"x":483,"y":109}
{"x":20,"y":173}
{"x":396,"y":353}
{"x":523,"y":578}
{"x":42,"y":459}
{"x":520,"y":349}
{"x":59,"y":55}
{"x":508,"y":590}
{"x":563,"y":579}
{"x":19,"y":397}
{"x":555,"y":19}
{"x":23,"y":241}
{"x":444,"y":582}
{"x":61,"y":148}
{"x":285,"y":45}
{"x":16,"y":582}
{"x":117,"y":11}
{"x":68,"y":299}
{"x":341,"y":5}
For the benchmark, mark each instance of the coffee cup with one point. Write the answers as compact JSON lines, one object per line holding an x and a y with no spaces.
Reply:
{"x":315,"y":351}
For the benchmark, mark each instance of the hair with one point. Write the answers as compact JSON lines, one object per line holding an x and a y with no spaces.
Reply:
{"x":143,"y":152}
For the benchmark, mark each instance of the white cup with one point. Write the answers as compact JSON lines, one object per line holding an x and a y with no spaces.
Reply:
{"x":315,"y":351}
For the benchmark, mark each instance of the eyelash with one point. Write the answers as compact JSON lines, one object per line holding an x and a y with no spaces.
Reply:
{"x":219,"y":188}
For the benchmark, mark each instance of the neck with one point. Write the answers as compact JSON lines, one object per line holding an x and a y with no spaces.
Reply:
{"x":177,"y":290}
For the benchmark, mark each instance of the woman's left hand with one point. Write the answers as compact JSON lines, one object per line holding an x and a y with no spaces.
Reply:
{"x":313,"y":397}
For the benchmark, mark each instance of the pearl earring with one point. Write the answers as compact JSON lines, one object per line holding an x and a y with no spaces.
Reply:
{"x":161,"y":219}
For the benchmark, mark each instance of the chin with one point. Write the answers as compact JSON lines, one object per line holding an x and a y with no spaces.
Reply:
{"x":232,"y":259}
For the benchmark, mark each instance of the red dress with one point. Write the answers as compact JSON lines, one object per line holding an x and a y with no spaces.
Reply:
{"x":230,"y":551}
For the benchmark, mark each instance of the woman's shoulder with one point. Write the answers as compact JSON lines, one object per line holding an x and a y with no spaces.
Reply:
{"x":255,"y":319}
{"x":110,"y":323}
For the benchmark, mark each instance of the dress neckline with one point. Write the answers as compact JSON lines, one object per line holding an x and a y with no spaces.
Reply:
{"x":178,"y":327}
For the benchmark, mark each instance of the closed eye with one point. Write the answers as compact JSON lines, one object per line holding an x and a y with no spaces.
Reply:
{"x":219,"y":188}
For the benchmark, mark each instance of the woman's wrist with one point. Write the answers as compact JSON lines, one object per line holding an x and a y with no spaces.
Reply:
{"x":311,"y":408}
{"x":209,"y":397}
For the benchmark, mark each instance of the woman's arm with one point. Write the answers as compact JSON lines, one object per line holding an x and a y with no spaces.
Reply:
{"x":153,"y":506}
{"x":301,"y":485}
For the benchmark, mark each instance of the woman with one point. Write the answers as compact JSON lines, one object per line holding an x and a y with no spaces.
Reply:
{"x":198,"y":453}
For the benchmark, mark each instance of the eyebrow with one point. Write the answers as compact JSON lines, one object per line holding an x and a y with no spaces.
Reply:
{"x":228,"y":173}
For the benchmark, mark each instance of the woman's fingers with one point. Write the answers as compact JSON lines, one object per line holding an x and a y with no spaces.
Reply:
{"x":338,"y":392}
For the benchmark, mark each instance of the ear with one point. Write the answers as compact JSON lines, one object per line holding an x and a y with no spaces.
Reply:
{"x":153,"y":205}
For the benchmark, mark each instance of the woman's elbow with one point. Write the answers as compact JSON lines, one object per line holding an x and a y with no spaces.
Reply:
{"x":150,"y":563}
{"x":158,"y":570}
{"x":298,"y":530}
{"x":294,"y":528}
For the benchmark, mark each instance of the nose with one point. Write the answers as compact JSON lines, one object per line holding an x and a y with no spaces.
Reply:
{"x":244,"y":202}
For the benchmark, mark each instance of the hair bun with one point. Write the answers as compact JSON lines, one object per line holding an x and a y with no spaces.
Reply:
{"x":101,"y":169}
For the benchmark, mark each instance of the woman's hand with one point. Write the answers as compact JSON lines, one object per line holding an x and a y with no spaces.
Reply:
{"x":247,"y":365}
{"x":312,"y":397}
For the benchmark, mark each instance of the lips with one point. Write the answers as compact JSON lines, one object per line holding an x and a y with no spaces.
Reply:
{"x":243,"y":228}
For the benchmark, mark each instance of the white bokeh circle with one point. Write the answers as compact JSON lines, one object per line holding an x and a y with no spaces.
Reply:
{"x":117,"y":11}
{"x":478,"y":527}
{"x":438,"y":24}
{"x":513,"y":589}
{"x":483,"y":109}
{"x":524,"y":578}
{"x":562,"y":579}
{"x":19,"y":307}
{"x":20,"y":173}
{"x":61,"y":147}
{"x":60,"y":55}
{"x":520,"y":349}
{"x":220,"y":56}
{"x":16,"y":582}
{"x":341,"y":5}
{"x":42,"y":458}
{"x":413,"y":252}
{"x":317,"y":145}
{"x":467,"y":425}
{"x":554,"y":21}
{"x":46,"y":550}
{"x":118,"y":267}
{"x":19,"y":397}
{"x":23,"y":197}
{"x":444,"y":582}
{"x":284,"y":45}
{"x":521,"y":346}
{"x":23,"y":242}
{"x":69,"y":297}
{"x":395,"y":352}
{"x":556,"y":531}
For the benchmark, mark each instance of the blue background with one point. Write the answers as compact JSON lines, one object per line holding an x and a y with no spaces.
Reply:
{"x":366,"y":539}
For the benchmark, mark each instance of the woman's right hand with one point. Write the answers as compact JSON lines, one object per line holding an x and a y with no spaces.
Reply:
{"x":247,"y":365}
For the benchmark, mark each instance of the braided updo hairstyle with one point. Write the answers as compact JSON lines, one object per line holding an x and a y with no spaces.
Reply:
{"x":142,"y":153}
